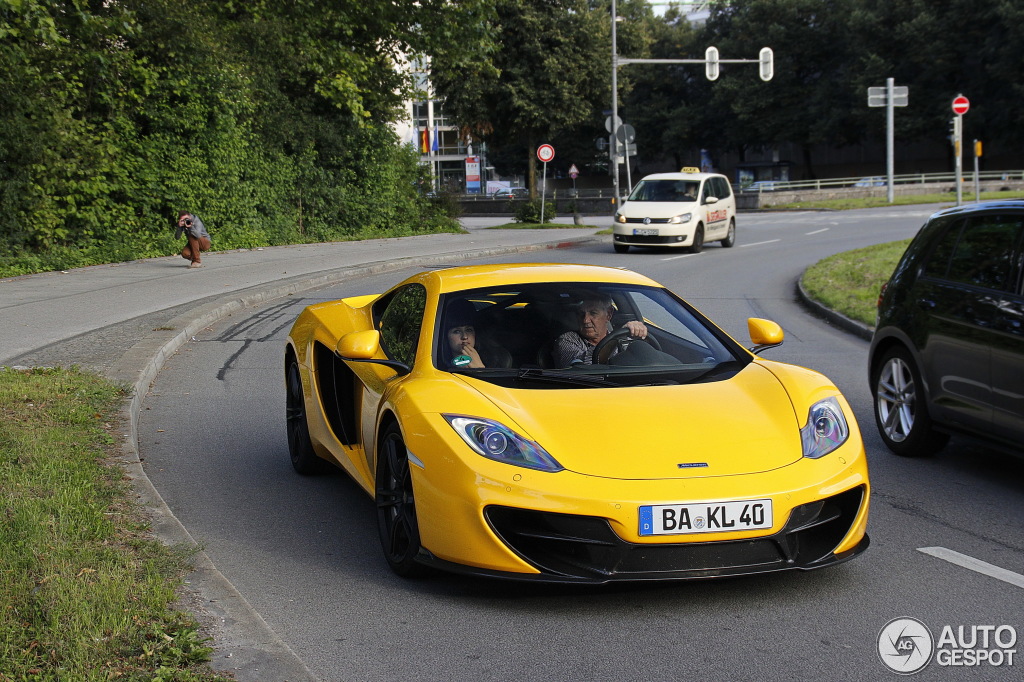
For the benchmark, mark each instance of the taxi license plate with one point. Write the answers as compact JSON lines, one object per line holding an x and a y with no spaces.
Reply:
{"x":705,"y":517}
{"x":645,"y":232}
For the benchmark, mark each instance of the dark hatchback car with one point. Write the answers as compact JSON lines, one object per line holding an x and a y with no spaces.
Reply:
{"x":947,"y":354}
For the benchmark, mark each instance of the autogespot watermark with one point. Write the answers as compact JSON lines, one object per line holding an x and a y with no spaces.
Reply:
{"x":906,"y":646}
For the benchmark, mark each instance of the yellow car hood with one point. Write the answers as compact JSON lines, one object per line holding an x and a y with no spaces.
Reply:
{"x":741,"y":425}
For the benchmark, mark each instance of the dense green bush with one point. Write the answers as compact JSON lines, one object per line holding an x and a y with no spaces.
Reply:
{"x":529,"y":211}
{"x":115,"y":116}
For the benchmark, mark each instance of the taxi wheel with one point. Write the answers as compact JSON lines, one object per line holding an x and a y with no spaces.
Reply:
{"x":620,"y":248}
{"x":730,"y":239}
{"x":396,"y":506}
{"x":698,"y":240}
{"x":900,"y":412}
{"x":300,"y":446}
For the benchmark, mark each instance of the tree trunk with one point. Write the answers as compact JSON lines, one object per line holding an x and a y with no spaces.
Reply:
{"x":531,"y":174}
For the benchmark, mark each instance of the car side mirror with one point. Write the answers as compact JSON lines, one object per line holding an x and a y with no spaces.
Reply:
{"x":363,"y":347}
{"x":711,"y":200}
{"x":764,"y":334}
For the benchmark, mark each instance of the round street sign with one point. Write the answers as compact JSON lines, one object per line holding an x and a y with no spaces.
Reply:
{"x":960,"y":105}
{"x":545,"y":152}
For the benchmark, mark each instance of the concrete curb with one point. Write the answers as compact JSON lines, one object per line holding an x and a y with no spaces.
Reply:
{"x":245,"y":644}
{"x":838,"y":319}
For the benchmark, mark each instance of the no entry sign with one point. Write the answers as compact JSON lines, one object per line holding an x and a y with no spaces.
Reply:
{"x":960,"y":105}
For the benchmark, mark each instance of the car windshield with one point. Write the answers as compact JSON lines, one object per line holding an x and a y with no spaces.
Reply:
{"x":665,"y":190}
{"x":543,"y":336}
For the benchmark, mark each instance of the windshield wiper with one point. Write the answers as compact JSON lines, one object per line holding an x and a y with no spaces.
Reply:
{"x":571,"y":378}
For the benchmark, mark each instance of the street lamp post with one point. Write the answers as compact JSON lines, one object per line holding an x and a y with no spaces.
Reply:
{"x":614,"y":151}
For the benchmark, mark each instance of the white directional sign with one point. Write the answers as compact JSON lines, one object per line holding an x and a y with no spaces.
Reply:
{"x":900,"y":96}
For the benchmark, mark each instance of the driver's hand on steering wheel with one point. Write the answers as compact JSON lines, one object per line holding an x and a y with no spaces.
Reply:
{"x":636,"y":329}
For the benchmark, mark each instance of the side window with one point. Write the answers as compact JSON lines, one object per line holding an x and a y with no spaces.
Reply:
{"x":400,"y":323}
{"x":984,"y":253}
{"x":937,"y":264}
{"x":708,"y":190}
{"x":724,"y":190}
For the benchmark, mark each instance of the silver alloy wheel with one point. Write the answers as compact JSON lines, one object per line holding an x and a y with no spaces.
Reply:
{"x":896,"y":394}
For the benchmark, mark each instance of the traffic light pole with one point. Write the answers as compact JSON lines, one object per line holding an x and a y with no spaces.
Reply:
{"x":766,"y":60}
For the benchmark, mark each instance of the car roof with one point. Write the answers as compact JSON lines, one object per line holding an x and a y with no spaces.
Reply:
{"x":464,"y":277}
{"x":967,"y":209}
{"x":682,"y":176}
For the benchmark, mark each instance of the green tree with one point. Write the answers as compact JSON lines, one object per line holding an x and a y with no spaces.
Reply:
{"x":549,"y":81}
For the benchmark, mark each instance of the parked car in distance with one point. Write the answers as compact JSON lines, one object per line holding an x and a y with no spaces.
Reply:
{"x":870,"y":182}
{"x":762,"y":186}
{"x":947,"y":354}
{"x":512,"y":193}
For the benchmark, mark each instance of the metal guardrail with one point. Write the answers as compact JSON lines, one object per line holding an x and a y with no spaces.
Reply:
{"x":880,"y":181}
{"x":791,"y":185}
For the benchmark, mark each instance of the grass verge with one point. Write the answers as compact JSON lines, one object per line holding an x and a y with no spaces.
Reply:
{"x":850,"y":282}
{"x":87,"y":594}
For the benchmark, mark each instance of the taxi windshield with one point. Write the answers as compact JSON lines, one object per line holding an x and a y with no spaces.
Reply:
{"x":665,"y":190}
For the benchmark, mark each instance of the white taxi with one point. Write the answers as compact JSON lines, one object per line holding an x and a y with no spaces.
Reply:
{"x":685,"y":209}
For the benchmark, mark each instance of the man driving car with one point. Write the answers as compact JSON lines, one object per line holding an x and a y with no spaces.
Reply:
{"x":595,"y":323}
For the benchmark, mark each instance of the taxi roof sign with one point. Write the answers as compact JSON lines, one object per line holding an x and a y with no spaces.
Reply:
{"x":689,"y":169}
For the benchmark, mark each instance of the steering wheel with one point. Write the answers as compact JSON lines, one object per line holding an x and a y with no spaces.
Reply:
{"x":604,"y":347}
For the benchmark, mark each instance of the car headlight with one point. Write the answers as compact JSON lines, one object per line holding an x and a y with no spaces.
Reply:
{"x":619,"y":218}
{"x":502,"y":444}
{"x":826,"y":429}
{"x":679,"y":219}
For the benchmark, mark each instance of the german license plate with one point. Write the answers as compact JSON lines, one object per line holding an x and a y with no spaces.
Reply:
{"x":705,"y":517}
{"x":645,"y":232}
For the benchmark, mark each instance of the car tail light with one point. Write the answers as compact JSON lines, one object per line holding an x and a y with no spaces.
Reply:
{"x":881,"y":294}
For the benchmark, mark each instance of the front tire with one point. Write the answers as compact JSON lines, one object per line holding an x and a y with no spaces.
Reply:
{"x":620,"y":248}
{"x":730,"y":239}
{"x":901,"y":414}
{"x":300,"y":445}
{"x":698,"y":240}
{"x":396,"y":506}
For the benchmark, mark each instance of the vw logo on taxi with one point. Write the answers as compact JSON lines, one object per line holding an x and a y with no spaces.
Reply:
{"x":906,"y":646}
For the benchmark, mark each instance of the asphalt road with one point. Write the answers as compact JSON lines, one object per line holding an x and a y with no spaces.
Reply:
{"x":303,"y":552}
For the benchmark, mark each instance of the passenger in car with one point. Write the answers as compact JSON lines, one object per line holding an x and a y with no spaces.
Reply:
{"x":465,"y":349}
{"x":595,"y":322}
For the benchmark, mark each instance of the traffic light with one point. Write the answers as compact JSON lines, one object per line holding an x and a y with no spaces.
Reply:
{"x":711,"y":63}
{"x":767,"y":64}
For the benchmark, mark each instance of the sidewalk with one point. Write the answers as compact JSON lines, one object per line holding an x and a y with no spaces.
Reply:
{"x":91,"y":316}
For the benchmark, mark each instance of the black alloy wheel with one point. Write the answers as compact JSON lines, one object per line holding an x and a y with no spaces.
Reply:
{"x":396,"y":506}
{"x":300,"y":445}
{"x":901,"y":414}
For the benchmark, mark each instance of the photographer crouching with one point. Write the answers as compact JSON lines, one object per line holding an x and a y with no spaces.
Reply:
{"x":198,"y":237}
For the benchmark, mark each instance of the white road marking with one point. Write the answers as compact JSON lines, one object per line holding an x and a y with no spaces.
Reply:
{"x":976,"y":565}
{"x":770,"y":241}
{"x":685,"y":255}
{"x":824,"y":229}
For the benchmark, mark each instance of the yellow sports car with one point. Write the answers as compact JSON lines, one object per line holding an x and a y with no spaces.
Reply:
{"x":573,"y":423}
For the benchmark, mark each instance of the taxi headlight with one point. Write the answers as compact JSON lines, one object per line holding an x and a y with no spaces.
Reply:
{"x":619,"y":218}
{"x":502,"y":444}
{"x":679,"y":219}
{"x":826,"y":429}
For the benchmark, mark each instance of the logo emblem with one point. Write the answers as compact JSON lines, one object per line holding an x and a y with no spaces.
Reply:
{"x":647,"y":221}
{"x":905,"y":645}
